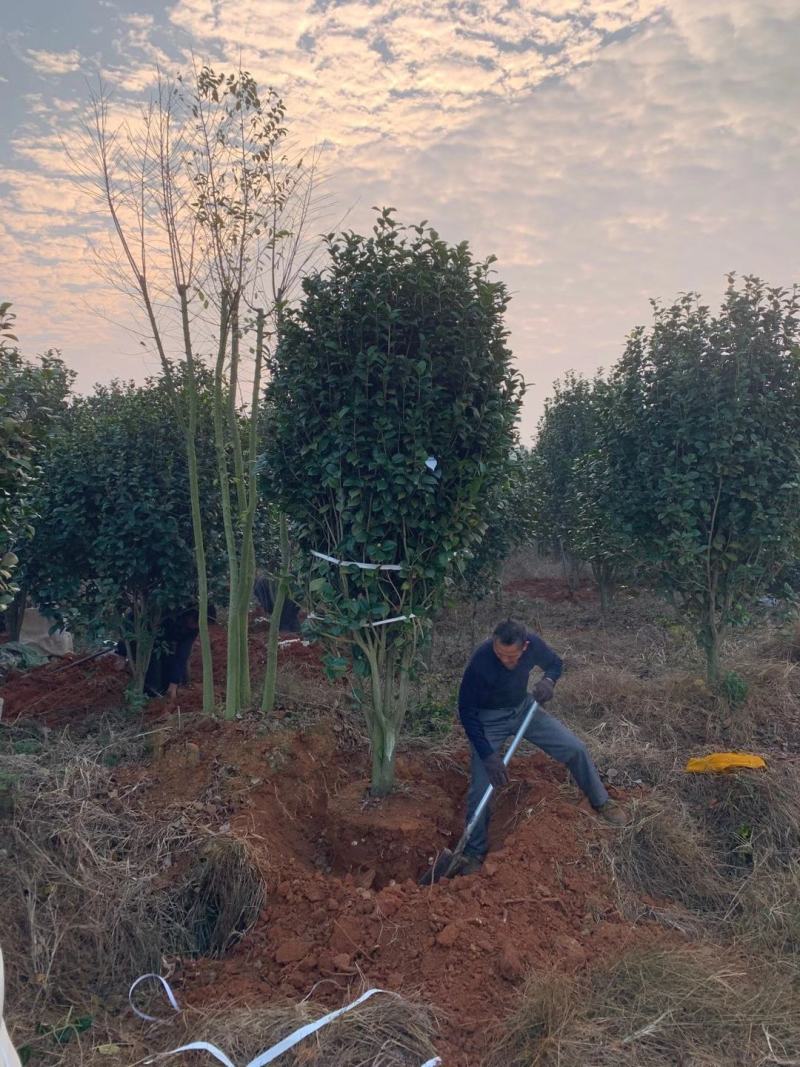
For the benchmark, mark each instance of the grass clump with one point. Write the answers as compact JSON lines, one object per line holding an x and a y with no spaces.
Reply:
{"x":655,"y":1008}
{"x":754,"y":816}
{"x":99,"y":890}
{"x":665,"y":854}
{"x":222,"y":894}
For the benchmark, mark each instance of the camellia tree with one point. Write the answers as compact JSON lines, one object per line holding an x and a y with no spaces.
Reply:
{"x":113,"y":550}
{"x":510,"y":509}
{"x":395,"y":400}
{"x":575,"y":511}
{"x":566,"y":432}
{"x":34,"y":393}
{"x":704,"y":449}
{"x":16,"y":463}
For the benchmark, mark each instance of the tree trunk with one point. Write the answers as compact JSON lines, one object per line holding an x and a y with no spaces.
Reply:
{"x":605,"y":585}
{"x":271,"y":673}
{"x":391,"y":686}
{"x":190,"y":426}
{"x":202,"y":572}
{"x":15,"y":613}
{"x":710,"y":640}
{"x":140,"y":648}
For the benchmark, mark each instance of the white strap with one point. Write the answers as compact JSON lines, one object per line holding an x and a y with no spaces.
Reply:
{"x":307,"y":1030}
{"x":358,"y":563}
{"x":200,"y":1046}
{"x":167,"y":990}
{"x":270,"y":1054}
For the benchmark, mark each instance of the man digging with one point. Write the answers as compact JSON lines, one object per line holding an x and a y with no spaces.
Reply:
{"x":492,"y":703}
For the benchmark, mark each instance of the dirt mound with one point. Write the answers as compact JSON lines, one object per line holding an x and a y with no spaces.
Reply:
{"x":344,"y":908}
{"x":552,"y":590}
{"x":60,"y":694}
{"x":56,"y":696}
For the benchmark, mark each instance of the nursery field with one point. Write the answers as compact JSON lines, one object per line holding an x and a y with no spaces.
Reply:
{"x":245,"y":861}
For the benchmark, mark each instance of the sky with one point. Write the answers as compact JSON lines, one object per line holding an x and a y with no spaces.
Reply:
{"x":605,"y":151}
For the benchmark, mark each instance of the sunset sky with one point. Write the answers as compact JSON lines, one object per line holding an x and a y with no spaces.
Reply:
{"x":606,"y":151}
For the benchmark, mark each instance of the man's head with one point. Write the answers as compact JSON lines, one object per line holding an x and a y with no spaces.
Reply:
{"x":509,"y":641}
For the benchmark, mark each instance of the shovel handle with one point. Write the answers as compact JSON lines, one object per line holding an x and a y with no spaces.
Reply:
{"x":512,"y":748}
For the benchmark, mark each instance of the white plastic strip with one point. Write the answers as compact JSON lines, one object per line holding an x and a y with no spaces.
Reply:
{"x":167,"y":990}
{"x":293,"y":641}
{"x":307,"y":1030}
{"x":378,"y":622}
{"x":199,"y":1046}
{"x":356,"y":563}
{"x":271,"y":1054}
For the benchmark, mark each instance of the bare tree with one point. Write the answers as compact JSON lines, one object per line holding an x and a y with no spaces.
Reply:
{"x":210,"y":211}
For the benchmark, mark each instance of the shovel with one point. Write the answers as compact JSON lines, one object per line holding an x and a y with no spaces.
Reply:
{"x":448,"y":862}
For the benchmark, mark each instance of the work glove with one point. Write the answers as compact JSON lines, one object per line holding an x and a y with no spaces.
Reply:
{"x":543,"y":690}
{"x":496,"y":770}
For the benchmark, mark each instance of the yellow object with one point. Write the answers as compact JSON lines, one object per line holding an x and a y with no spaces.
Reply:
{"x":718,"y":762}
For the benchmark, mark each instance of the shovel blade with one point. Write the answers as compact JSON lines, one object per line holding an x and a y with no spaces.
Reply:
{"x":446,"y":864}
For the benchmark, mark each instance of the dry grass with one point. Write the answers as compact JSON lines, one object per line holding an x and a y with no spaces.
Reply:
{"x":385,"y":1031}
{"x":696,"y":1007}
{"x":99,"y":890}
{"x":221,"y":895}
{"x":765,"y":913}
{"x":666,"y":855}
{"x":754,"y":815}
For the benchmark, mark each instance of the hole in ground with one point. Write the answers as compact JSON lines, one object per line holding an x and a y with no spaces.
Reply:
{"x":396,"y":838}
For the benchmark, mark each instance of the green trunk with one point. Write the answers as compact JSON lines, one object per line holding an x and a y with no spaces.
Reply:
{"x":190,"y":427}
{"x":391,"y":675}
{"x":383,"y":741}
{"x":233,"y":679}
{"x":202,"y":576}
{"x":232,"y":683}
{"x":247,"y":572}
{"x":145,"y":627}
{"x":271,"y":673}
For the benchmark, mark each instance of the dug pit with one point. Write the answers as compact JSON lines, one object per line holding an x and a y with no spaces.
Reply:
{"x":390,"y":839}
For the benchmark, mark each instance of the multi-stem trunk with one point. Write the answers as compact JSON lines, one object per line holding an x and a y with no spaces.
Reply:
{"x":271,"y":675}
{"x":604,"y":577}
{"x":390,"y":675}
{"x":139,"y":645}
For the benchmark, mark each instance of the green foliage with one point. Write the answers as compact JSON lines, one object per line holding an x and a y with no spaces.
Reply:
{"x":575,"y":511}
{"x":704,"y":449}
{"x":734,"y":689}
{"x":32,"y":395}
{"x":113,"y":548}
{"x":509,"y":512}
{"x":394,"y":408}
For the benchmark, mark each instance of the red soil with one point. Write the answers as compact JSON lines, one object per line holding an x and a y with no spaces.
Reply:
{"x":58,"y":697}
{"x":344,"y":909}
{"x":55,"y":696}
{"x":553,"y":590}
